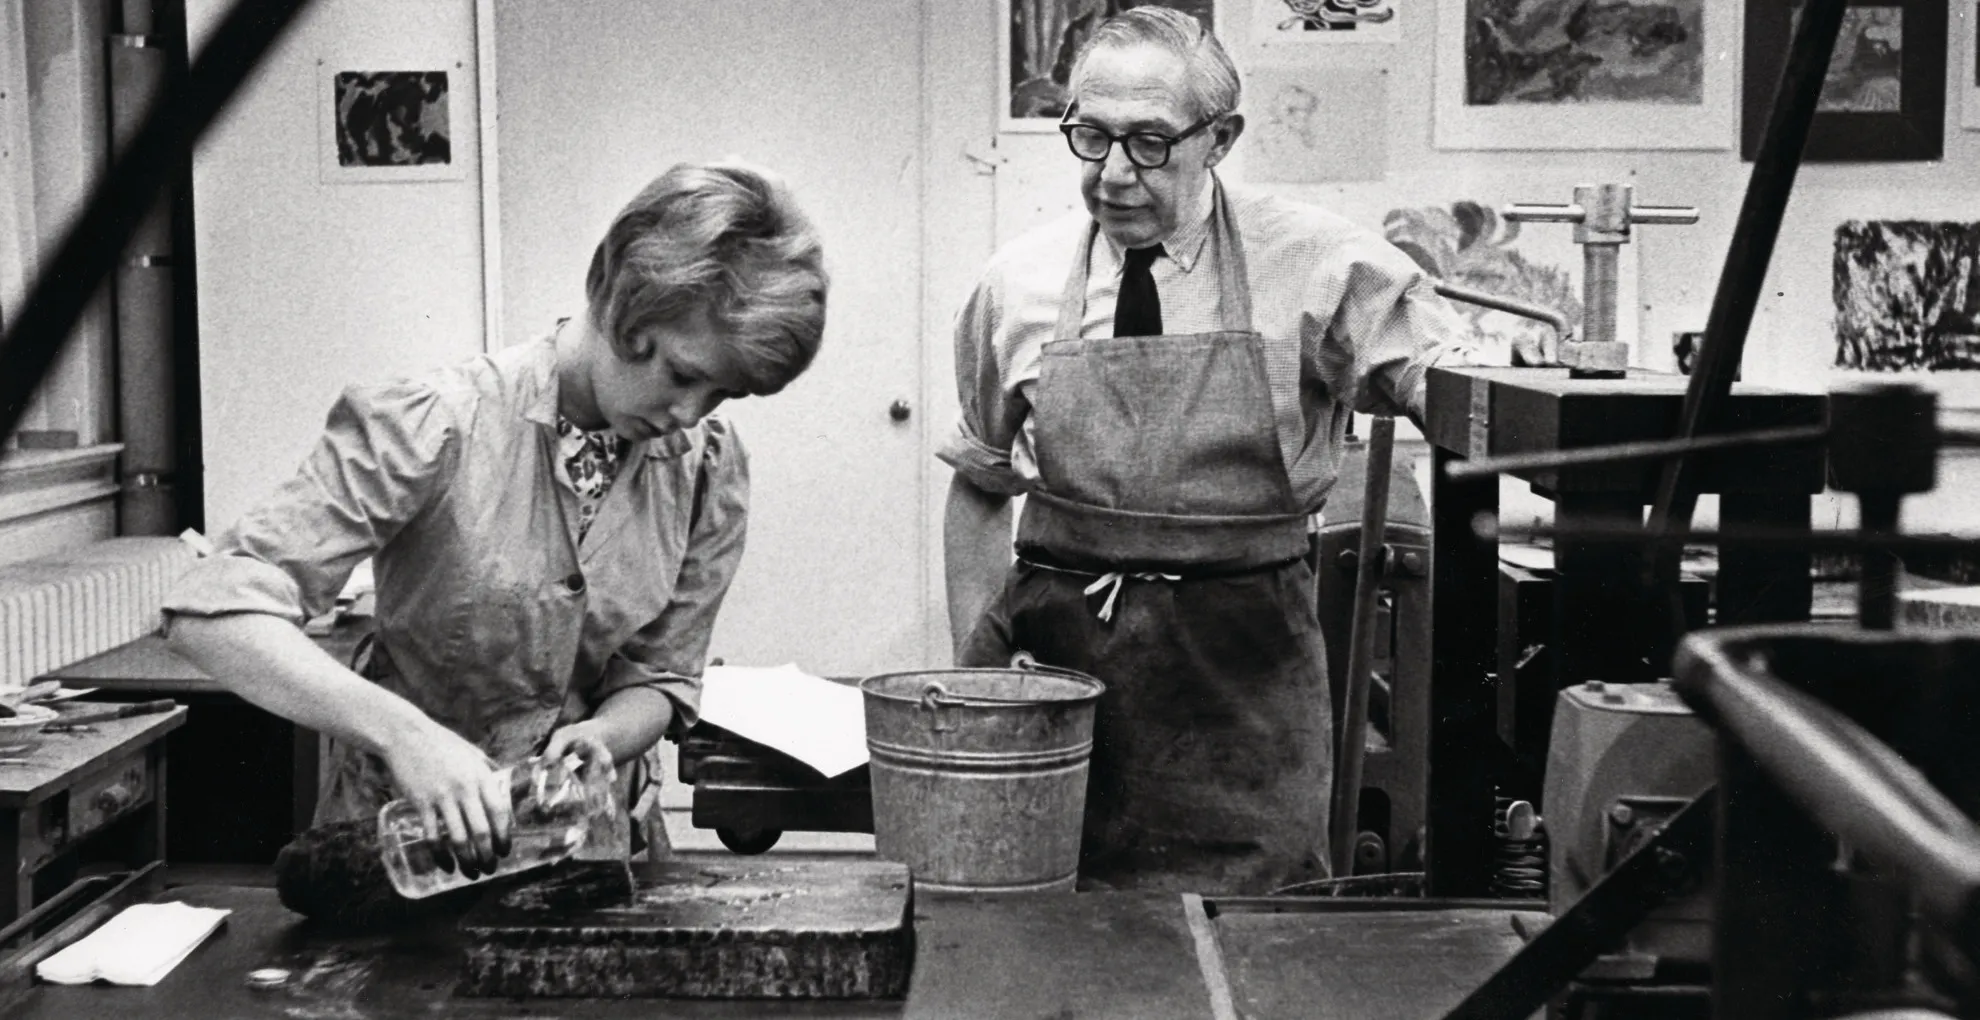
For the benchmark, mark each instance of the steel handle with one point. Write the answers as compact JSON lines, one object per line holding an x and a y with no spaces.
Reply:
{"x":1663,"y":214}
{"x":1536,"y":212}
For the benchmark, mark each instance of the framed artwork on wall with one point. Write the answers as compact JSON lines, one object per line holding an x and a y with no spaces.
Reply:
{"x":1036,"y":43}
{"x":1325,"y":22}
{"x":1542,"y":74}
{"x":1969,"y":68}
{"x":1885,"y":96}
{"x":387,"y":126}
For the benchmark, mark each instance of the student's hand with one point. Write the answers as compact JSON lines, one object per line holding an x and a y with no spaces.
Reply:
{"x":462,"y":802}
{"x":585,"y":740}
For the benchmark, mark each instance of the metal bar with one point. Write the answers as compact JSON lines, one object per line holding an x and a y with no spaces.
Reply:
{"x":1744,"y":274}
{"x":1655,"y":449}
{"x":1783,"y":538}
{"x":1538,"y":313}
{"x":1345,"y":819}
{"x":1597,"y":922}
{"x":1679,"y":215}
{"x":1850,"y":783}
{"x":98,"y":237}
{"x":1543,"y":212}
{"x":1877,"y":570}
{"x":1464,"y":595}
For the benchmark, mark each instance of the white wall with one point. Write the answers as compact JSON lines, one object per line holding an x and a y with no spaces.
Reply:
{"x":304,"y":286}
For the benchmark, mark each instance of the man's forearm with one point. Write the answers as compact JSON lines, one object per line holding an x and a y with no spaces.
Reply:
{"x":976,"y":544}
{"x":270,"y":663}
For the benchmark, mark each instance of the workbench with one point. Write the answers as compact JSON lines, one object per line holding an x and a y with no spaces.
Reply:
{"x":104,"y":782}
{"x":1143,"y":956}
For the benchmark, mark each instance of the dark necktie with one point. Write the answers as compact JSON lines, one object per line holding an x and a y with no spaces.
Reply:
{"x":1138,"y":312}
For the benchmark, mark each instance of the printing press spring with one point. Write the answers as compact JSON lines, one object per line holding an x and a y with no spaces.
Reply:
{"x":1519,"y":863}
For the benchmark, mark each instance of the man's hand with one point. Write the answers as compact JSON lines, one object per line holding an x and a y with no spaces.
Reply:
{"x":586,"y":740}
{"x":462,"y":802}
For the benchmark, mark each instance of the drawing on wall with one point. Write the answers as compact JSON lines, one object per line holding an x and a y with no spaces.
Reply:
{"x":1040,"y":39}
{"x":1584,"y":74}
{"x":1866,"y":74}
{"x":1468,"y":243}
{"x":1584,"y":51}
{"x":1311,"y":125}
{"x":1907,"y":295}
{"x":1325,"y":21}
{"x":387,"y":126}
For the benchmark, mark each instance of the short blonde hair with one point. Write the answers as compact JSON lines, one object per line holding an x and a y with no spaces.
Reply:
{"x":723,"y":238}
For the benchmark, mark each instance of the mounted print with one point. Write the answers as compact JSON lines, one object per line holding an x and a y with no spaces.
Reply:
{"x":1321,"y":22}
{"x":386,"y":126}
{"x":1884,"y":98}
{"x":1037,"y":42}
{"x":1907,"y":296}
{"x":1585,"y":74}
{"x":1969,"y":68}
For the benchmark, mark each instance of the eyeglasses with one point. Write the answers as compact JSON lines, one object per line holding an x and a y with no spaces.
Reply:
{"x":1148,"y":150}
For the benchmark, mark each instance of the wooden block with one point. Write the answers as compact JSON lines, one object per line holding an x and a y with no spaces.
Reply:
{"x":1589,"y":359}
{"x":723,"y":929}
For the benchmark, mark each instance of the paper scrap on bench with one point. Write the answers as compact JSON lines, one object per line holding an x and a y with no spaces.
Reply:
{"x":814,"y":720}
{"x":137,"y":947}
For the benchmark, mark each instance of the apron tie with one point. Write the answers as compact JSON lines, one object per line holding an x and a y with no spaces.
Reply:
{"x":1112,"y":580}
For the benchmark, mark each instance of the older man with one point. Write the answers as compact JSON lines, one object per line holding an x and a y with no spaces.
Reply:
{"x":1168,"y":377}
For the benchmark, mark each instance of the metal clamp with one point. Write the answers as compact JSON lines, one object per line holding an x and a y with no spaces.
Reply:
{"x":1602,"y":216}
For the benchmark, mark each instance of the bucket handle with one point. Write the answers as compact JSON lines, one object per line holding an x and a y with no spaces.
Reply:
{"x":1024,"y":661}
{"x":934,"y":698}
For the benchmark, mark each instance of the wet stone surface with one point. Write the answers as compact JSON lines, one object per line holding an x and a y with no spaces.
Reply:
{"x":743,"y":929}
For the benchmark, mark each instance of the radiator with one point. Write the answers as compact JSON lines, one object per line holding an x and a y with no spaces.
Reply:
{"x":64,"y":607}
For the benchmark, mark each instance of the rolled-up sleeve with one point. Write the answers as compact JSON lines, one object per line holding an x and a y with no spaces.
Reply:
{"x":992,"y":411}
{"x":1389,"y":328}
{"x":670,"y":653}
{"x":384,"y":455}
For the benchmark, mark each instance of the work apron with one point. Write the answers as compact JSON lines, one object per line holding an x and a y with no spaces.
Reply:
{"x":1162,"y":551}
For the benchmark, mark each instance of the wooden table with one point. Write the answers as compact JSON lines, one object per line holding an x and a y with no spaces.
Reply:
{"x":1145,"y":956}
{"x":73,"y":787}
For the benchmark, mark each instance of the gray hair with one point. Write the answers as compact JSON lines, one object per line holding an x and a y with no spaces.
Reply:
{"x":723,"y":238}
{"x":1210,"y":80}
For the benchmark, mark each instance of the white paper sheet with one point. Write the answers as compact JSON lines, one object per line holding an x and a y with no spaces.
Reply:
{"x":814,"y":720}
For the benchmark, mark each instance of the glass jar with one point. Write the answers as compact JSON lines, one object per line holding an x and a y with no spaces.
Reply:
{"x":553,"y":808}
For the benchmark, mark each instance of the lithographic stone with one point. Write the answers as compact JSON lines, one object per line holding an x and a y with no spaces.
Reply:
{"x":700,"y":929}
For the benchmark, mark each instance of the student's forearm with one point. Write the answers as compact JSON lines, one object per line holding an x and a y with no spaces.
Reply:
{"x":976,"y":548}
{"x":630,"y":721}
{"x":269,"y":662}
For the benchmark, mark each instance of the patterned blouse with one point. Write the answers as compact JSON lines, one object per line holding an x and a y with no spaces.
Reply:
{"x":591,"y":461}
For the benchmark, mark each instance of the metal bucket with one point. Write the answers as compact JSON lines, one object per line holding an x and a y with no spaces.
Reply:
{"x":979,"y":775}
